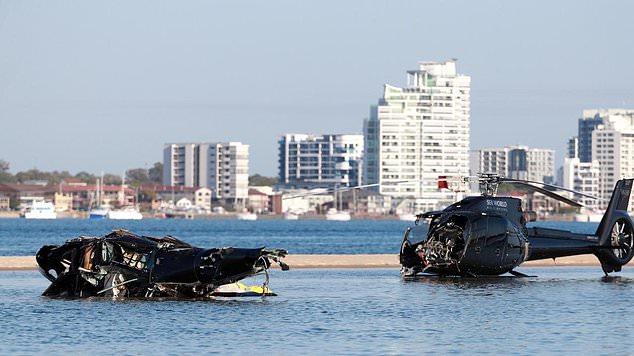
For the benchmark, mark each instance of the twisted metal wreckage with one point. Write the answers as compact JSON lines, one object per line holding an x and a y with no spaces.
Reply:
{"x":122,"y":264}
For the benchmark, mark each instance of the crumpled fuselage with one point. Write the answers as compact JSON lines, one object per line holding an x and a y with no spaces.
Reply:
{"x":125,"y":264}
{"x":473,"y":237}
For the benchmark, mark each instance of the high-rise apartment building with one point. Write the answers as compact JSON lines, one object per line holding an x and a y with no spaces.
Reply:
{"x":572,"y":149}
{"x":613,"y":149}
{"x":587,"y":123}
{"x":419,"y":132}
{"x":517,"y":162}
{"x":310,"y":161}
{"x":582,"y":177}
{"x":222,"y":167}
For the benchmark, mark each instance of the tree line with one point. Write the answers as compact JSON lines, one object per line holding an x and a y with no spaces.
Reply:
{"x":133,"y":177}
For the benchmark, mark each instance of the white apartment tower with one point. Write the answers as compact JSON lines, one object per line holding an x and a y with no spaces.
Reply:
{"x":613,"y":149}
{"x":418,"y":133}
{"x":311,"y":161}
{"x":517,"y":162}
{"x":222,"y":167}
{"x":583,"y":177}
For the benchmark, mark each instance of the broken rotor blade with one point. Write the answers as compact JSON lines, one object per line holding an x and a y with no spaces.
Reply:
{"x":115,"y":285}
{"x":546,"y":192}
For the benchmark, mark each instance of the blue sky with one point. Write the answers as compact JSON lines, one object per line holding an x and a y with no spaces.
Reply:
{"x":101,"y":86}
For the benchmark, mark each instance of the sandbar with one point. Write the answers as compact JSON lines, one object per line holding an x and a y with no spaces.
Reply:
{"x":8,"y":263}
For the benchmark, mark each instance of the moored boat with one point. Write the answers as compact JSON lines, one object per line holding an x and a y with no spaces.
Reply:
{"x":247,"y":216}
{"x":99,"y":213}
{"x":40,"y":210}
{"x":336,"y":215}
{"x":125,"y":213}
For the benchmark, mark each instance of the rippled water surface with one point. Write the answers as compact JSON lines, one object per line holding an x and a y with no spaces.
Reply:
{"x":355,"y":311}
{"x":25,"y":237}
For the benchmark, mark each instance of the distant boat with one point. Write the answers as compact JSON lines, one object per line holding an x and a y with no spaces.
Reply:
{"x":588,"y":216}
{"x":40,"y":210}
{"x":335,"y":215}
{"x":407,"y":217}
{"x":125,"y":213}
{"x":289,"y":215}
{"x":247,"y":216}
{"x":99,"y":213}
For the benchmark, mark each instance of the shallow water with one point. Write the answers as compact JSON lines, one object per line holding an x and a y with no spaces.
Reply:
{"x":20,"y":237}
{"x":351,"y":311}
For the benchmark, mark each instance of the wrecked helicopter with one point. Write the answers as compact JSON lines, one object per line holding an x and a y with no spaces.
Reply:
{"x":122,"y":264}
{"x":487,"y":235}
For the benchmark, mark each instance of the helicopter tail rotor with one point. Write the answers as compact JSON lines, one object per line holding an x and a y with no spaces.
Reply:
{"x":616,"y":230}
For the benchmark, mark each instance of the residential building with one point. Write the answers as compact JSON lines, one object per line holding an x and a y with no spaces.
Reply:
{"x":313,"y":161}
{"x":490,"y":160}
{"x":588,"y":122}
{"x":517,"y":162}
{"x":202,"y":198}
{"x":221,"y":167}
{"x":70,"y":196}
{"x":572,"y":149}
{"x":613,"y":148}
{"x":583,"y":177}
{"x":419,"y":132}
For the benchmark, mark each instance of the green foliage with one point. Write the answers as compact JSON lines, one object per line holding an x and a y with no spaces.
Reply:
{"x":136,"y":176}
{"x":258,"y":180}
{"x":86,"y":177}
{"x":156,"y":173}
{"x":6,"y":177}
{"x":147,"y":195}
{"x":111,"y":179}
{"x":35,"y":174}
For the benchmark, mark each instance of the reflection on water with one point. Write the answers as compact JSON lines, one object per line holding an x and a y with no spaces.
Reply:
{"x":338,"y":312}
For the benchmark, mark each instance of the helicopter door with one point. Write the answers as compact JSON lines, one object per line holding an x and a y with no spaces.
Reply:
{"x":494,"y":248}
{"x":514,"y":254}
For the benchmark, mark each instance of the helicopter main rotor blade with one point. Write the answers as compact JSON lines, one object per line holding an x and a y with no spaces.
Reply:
{"x":550,"y":186}
{"x":324,"y":191}
{"x":546,"y":192}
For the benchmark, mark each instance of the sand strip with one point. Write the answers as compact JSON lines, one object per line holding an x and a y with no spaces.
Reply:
{"x":333,"y":261}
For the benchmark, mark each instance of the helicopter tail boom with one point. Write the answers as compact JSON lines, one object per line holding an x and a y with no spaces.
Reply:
{"x":612,"y":243}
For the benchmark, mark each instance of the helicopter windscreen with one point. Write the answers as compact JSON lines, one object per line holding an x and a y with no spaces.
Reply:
{"x":419,"y":232}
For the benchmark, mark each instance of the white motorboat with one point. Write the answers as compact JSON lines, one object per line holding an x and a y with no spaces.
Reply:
{"x":336,"y":215}
{"x":588,"y":216}
{"x":407,"y":217}
{"x":247,"y":216}
{"x":40,"y":210}
{"x":289,"y":215}
{"x":125,"y":213}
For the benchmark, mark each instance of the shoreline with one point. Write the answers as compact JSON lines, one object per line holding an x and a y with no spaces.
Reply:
{"x":27,"y":263}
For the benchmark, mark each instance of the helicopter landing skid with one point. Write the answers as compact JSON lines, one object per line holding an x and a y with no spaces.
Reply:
{"x":428,"y":275}
{"x":520,"y":274}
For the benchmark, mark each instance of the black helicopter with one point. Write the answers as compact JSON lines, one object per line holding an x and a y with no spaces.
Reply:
{"x":122,"y":264}
{"x":487,"y":235}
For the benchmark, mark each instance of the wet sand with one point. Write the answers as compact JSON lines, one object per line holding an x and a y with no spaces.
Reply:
{"x":333,"y":261}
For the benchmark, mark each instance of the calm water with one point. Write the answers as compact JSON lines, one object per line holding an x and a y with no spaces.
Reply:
{"x":564,"y":310}
{"x":19,"y":237}
{"x":355,"y":311}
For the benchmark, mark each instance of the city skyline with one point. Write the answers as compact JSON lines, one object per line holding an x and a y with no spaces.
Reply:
{"x":101,"y":87}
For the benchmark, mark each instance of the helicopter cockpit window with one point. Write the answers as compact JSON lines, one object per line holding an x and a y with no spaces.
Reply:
{"x":418,"y":232}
